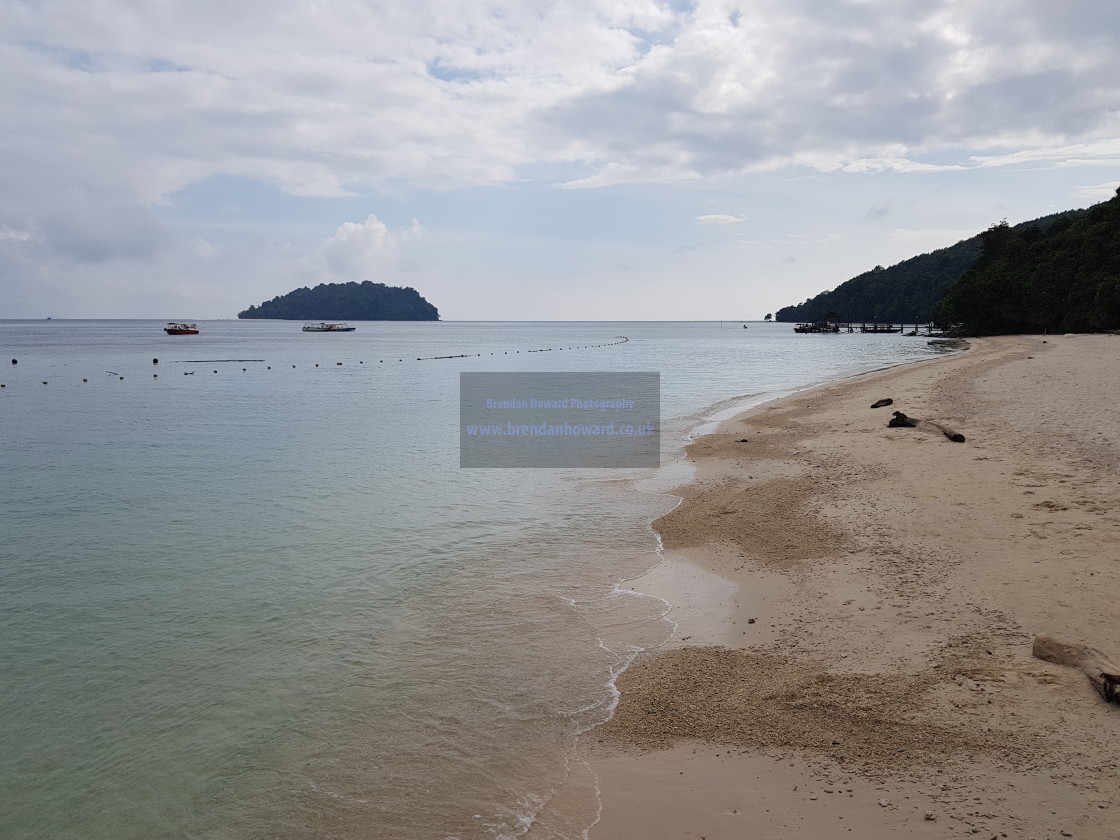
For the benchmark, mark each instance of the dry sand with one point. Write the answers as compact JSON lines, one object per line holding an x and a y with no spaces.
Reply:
{"x":857,"y":606}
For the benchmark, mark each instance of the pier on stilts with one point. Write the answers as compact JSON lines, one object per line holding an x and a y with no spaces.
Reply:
{"x":831,"y":325}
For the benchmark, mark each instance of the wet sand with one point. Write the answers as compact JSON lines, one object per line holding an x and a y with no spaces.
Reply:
{"x":857,"y":606}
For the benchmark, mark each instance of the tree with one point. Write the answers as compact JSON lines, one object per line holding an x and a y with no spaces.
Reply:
{"x":909,"y":290}
{"x":1065,"y":278}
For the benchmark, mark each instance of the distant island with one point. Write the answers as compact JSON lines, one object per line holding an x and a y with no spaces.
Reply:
{"x":909,"y":291}
{"x":366,"y":301}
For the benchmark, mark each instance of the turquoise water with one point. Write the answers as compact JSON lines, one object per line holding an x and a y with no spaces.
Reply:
{"x":245,"y":599}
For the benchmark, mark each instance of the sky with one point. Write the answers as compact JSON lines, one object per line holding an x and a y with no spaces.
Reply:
{"x":529,"y":159}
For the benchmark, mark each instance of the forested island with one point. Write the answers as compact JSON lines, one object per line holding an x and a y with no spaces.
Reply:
{"x":906,"y":292}
{"x":366,"y":301}
{"x":1061,"y":278}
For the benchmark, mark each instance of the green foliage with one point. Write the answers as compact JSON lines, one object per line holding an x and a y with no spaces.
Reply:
{"x":908,"y":291}
{"x":1064,"y":278}
{"x":366,"y":301}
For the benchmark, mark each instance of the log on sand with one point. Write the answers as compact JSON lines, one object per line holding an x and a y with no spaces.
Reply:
{"x":900,"y":420}
{"x":1101,"y":671}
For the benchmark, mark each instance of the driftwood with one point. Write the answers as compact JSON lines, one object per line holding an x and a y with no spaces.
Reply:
{"x":1101,"y":671}
{"x":883,"y":402}
{"x":955,"y":437}
{"x":900,"y":420}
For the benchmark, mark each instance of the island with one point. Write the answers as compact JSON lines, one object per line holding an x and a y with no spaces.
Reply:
{"x":911,"y":291}
{"x":366,"y":301}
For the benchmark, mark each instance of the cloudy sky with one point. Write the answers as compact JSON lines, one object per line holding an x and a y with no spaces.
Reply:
{"x":530,"y":159}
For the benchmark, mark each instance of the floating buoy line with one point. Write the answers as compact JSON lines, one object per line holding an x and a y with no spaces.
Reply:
{"x":620,"y":339}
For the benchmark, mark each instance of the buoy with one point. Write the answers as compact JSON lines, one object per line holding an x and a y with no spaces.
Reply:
{"x":316,"y":364}
{"x":15,"y":361}
{"x":155,"y":361}
{"x":270,"y":367}
{"x":155,"y":376}
{"x":123,"y":377}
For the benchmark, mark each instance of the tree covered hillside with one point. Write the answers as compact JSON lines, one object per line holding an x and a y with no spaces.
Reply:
{"x":906,"y":292}
{"x":1064,"y":278}
{"x":366,"y":301}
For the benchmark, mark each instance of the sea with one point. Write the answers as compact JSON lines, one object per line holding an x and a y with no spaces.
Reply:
{"x":248,"y":591}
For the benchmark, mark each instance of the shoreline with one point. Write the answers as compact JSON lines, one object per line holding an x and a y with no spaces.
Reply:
{"x":686,"y":575}
{"x":872,"y":594}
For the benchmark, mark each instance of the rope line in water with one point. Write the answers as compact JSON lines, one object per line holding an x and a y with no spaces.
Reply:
{"x":623,"y":340}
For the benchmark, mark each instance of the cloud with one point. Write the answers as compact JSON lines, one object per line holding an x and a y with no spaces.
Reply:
{"x":11,"y":235}
{"x":683,"y":249}
{"x":111,"y":110}
{"x":320,"y":100}
{"x":720,"y":219}
{"x":358,"y":247}
{"x":1097,"y":192}
{"x":1099,"y":153}
{"x":874,"y":86}
{"x":879,"y":210}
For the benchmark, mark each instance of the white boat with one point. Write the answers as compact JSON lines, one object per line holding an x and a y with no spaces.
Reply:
{"x":327,"y":326}
{"x":174,"y":328}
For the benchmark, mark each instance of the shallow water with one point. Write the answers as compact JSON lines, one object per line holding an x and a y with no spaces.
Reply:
{"x":260,"y":598}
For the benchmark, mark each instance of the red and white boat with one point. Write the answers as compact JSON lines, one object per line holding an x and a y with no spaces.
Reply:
{"x":174,"y":328}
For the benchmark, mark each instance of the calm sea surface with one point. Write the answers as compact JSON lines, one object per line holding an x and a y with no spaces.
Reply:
{"x":247,"y":592}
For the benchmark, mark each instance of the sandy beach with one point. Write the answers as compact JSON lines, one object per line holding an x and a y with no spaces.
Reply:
{"x":856,"y":609}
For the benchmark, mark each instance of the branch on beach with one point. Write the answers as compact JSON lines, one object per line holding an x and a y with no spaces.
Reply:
{"x":900,"y":420}
{"x":1101,"y":671}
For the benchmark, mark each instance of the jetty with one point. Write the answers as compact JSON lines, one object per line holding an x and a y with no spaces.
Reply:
{"x":829,"y":325}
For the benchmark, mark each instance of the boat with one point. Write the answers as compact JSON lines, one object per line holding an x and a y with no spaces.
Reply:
{"x":174,"y":328}
{"x":327,"y":326}
{"x":817,"y":327}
